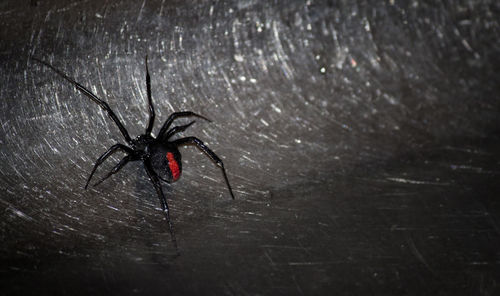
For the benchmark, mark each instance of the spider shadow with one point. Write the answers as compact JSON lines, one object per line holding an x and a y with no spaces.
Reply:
{"x":143,"y":230}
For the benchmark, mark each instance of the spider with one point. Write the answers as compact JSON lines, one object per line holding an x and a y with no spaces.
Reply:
{"x":160,"y":155}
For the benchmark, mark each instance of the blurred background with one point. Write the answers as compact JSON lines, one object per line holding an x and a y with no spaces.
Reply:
{"x":361,"y":139}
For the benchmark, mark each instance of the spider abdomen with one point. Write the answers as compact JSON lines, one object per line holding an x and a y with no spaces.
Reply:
{"x":174,"y":166}
{"x":166,"y":162}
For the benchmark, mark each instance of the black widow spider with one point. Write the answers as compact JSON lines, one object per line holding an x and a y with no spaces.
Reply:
{"x":160,"y":156}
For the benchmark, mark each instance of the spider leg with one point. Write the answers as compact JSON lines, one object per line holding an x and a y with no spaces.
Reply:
{"x":149,"y":128}
{"x":104,"y":156}
{"x":91,"y":96}
{"x":115,"y":169}
{"x":163,"y":201}
{"x":208,"y":152}
{"x":175,"y":115}
{"x":176,"y":129}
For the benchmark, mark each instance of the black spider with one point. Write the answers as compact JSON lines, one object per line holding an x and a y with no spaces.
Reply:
{"x":160,"y":156}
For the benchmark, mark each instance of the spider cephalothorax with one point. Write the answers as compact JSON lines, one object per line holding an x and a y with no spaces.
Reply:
{"x":161,"y":157}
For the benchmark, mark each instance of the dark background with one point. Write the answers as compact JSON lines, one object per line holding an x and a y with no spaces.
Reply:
{"x":361,"y":139}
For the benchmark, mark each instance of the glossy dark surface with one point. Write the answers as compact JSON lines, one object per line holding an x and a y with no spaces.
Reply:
{"x":361,"y":140}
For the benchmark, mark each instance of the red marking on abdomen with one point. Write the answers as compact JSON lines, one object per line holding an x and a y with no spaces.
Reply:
{"x":173,"y":165}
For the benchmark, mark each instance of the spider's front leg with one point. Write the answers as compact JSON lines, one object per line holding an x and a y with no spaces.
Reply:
{"x":175,"y":130}
{"x":91,"y":96}
{"x":163,"y":201}
{"x":152,"y":115}
{"x":175,"y":115}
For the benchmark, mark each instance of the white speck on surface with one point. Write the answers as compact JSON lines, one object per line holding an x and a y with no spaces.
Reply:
{"x":275,"y":108}
{"x":239,"y":58}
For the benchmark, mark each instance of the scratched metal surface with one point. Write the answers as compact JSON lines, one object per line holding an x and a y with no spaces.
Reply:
{"x":361,"y":140}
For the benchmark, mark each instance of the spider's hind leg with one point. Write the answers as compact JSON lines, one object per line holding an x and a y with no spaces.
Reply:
{"x":163,"y":201}
{"x":115,"y":170}
{"x":209,"y":153}
{"x":105,"y":155}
